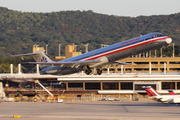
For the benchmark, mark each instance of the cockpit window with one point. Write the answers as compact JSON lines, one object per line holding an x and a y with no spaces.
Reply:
{"x":158,"y":35}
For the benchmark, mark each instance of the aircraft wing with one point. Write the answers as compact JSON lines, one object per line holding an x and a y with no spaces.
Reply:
{"x":89,"y":62}
{"x":68,"y":63}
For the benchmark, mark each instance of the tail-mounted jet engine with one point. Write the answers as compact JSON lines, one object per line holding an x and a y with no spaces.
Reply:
{"x":56,"y":70}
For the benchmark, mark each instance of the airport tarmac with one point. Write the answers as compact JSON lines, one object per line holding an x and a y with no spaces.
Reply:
{"x":90,"y":111}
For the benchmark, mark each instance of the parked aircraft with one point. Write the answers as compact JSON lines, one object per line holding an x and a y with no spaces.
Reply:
{"x":93,"y":61}
{"x":162,"y":98}
{"x":171,"y":92}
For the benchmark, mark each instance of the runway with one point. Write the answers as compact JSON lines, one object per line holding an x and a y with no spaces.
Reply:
{"x":90,"y":111}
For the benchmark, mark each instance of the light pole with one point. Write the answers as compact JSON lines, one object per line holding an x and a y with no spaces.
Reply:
{"x":173,"y":50}
{"x":86,"y":46}
{"x":59,"y":50}
{"x":46,"y":49}
{"x":75,"y":48}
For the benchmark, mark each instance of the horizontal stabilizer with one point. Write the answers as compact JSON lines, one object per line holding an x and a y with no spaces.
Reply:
{"x":28,"y":54}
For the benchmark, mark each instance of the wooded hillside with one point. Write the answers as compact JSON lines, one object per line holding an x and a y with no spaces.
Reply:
{"x":19,"y":31}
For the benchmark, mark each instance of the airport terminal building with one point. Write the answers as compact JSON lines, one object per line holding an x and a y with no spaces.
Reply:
{"x":117,"y":81}
{"x":113,"y":84}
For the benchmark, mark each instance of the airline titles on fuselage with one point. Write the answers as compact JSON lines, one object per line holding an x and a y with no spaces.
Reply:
{"x":130,"y":41}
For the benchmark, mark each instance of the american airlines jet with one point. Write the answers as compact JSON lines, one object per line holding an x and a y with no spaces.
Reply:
{"x":162,"y":98}
{"x":93,"y":61}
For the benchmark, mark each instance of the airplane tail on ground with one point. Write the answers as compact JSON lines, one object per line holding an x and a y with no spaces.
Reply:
{"x":38,"y":56}
{"x":150,"y":91}
{"x":171,"y":92}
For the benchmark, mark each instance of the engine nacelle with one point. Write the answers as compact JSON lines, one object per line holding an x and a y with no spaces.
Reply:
{"x":66,"y":71}
{"x":57,"y":70}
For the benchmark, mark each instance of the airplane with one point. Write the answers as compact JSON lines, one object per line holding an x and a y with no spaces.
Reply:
{"x":162,"y":98}
{"x":171,"y":92}
{"x":93,"y":61}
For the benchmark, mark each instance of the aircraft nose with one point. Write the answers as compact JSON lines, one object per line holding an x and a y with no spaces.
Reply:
{"x":168,"y":40}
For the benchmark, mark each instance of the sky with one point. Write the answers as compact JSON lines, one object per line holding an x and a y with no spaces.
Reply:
{"x":132,"y":8}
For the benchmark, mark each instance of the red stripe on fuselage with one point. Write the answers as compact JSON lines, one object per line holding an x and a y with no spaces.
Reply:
{"x":126,"y":48}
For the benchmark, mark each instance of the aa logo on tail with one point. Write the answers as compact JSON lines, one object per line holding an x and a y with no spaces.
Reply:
{"x":43,"y":59}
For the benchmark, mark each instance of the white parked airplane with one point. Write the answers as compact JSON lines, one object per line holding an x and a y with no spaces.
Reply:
{"x":162,"y":98}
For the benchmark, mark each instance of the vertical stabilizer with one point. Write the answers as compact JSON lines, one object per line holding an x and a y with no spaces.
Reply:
{"x":40,"y":56}
{"x":171,"y":92}
{"x":150,"y":91}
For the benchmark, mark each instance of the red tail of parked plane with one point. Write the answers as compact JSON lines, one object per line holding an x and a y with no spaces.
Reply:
{"x":171,"y":92}
{"x":150,"y":91}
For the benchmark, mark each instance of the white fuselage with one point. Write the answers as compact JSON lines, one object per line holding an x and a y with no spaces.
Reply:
{"x":168,"y":98}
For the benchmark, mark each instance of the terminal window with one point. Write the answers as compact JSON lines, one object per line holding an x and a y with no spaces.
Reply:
{"x":168,"y":85}
{"x":174,"y":62}
{"x":126,"y":85}
{"x":75,"y":84}
{"x":178,"y":85}
{"x":141,"y":69}
{"x":110,"y":86}
{"x":11,"y":84}
{"x":92,"y":86}
{"x":139,"y":86}
{"x":141,"y":62}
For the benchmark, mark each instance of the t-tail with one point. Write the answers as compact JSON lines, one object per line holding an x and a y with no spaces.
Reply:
{"x":150,"y":91}
{"x":171,"y":92}
{"x":38,"y":56}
